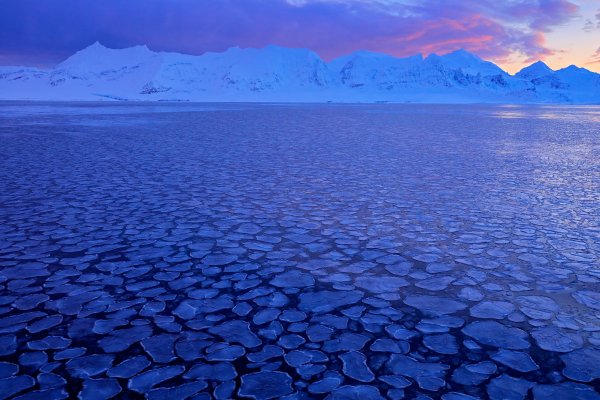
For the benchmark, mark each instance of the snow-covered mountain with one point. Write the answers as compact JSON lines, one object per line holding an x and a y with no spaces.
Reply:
{"x":282,"y":74}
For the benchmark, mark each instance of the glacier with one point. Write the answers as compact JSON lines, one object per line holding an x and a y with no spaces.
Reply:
{"x":279,"y":74}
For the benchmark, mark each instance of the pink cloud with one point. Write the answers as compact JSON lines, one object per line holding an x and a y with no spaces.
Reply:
{"x":595,"y":59}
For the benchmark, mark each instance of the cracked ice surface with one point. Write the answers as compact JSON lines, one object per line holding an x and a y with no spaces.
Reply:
{"x":273,"y":251}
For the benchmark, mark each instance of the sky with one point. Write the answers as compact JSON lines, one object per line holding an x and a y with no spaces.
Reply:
{"x":511,"y":33}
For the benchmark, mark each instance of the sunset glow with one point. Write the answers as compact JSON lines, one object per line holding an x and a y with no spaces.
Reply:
{"x":511,"y":33}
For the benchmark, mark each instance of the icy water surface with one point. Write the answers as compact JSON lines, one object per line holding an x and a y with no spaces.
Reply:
{"x":274,"y":251}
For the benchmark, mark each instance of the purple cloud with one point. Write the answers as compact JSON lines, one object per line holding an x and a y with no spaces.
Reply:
{"x":47,"y":31}
{"x":590,"y":24}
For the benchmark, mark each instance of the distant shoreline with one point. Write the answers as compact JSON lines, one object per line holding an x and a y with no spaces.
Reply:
{"x":290,"y":75}
{"x":152,"y":102}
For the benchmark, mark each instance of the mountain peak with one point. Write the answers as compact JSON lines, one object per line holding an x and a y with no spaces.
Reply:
{"x":535,"y":70}
{"x":455,"y":56}
{"x":95,"y":45}
{"x":541,"y":64}
{"x":97,"y":56}
{"x":466,"y":61}
{"x":99,"y":48}
{"x":462,"y":53}
{"x":573,"y":67}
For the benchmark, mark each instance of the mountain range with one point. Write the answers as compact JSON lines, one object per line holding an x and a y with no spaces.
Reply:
{"x":279,"y":74}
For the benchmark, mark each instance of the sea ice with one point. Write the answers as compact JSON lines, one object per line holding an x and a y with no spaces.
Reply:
{"x":555,"y":339}
{"x":492,"y":309}
{"x":516,"y":360}
{"x":355,"y":366}
{"x":492,"y":333}
{"x":265,"y":385}
{"x":433,"y":305}
{"x":582,"y":365}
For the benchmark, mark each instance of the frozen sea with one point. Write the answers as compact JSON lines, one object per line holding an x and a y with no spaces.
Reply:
{"x":174,"y":251}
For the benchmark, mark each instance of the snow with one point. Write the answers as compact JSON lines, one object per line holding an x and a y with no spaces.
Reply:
{"x":535,"y":70}
{"x":279,"y":74}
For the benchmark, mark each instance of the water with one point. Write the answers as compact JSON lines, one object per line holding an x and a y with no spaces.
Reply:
{"x":375,"y":251}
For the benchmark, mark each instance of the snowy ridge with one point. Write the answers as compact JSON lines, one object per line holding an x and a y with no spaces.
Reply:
{"x":294,"y":75}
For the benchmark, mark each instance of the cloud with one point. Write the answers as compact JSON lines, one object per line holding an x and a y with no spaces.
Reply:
{"x":592,"y":24}
{"x":46,"y":31}
{"x":595,"y":58}
{"x":589,"y":25}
